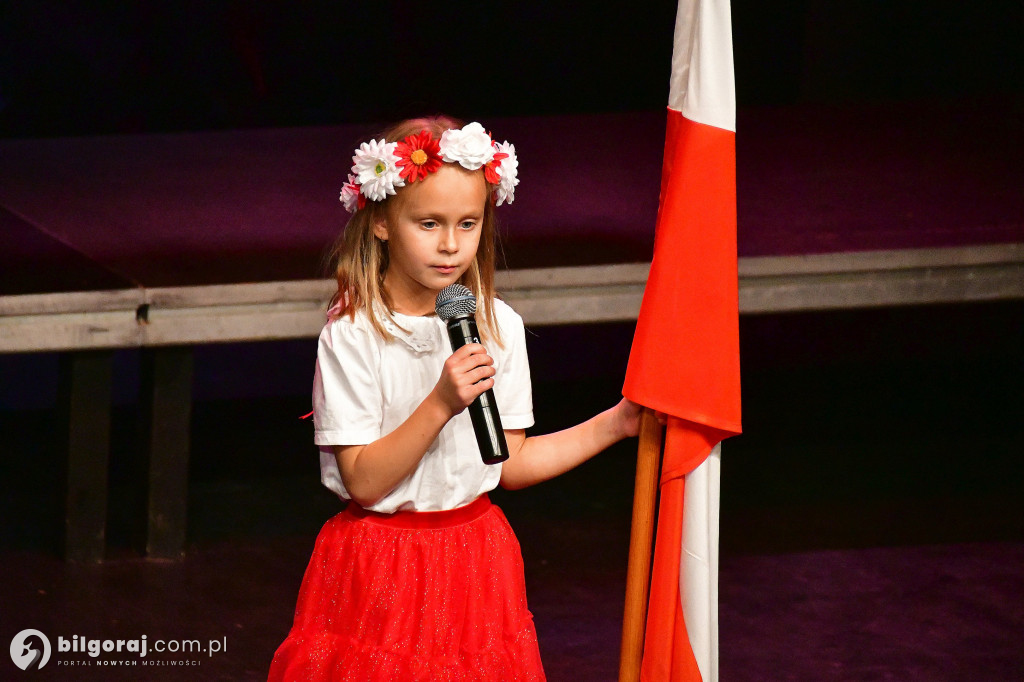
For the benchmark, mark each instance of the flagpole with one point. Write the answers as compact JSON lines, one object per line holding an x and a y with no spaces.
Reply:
{"x":638,"y":571}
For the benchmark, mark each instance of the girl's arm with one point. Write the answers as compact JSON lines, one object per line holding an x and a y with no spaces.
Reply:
{"x":538,"y":458}
{"x":371,"y":471}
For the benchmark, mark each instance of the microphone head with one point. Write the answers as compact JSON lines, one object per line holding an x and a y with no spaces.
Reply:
{"x":455,"y":300}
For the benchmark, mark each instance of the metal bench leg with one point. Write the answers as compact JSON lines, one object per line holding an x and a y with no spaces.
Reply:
{"x":85,"y":379}
{"x":167,"y":384}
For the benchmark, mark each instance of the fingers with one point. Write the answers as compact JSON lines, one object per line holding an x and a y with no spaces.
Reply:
{"x":474,"y":382}
{"x":471,"y":359}
{"x":467,"y":373}
{"x":473,"y":391}
{"x":472,"y":351}
{"x":481,"y":374}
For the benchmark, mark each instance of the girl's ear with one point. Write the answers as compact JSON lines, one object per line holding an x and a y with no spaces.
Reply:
{"x":380,"y":228}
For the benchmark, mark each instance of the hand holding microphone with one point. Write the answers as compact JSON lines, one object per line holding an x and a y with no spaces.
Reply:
{"x":466,"y":373}
{"x":456,"y":305}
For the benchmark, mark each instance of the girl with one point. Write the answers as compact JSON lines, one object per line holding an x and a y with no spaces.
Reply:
{"x":420,"y":577}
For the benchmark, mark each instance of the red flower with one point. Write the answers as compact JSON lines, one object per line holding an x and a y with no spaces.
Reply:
{"x":418,"y":156}
{"x":491,"y":168}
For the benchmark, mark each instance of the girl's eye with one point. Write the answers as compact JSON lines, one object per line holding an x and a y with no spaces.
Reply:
{"x":468,"y":224}
{"x":428,"y":224}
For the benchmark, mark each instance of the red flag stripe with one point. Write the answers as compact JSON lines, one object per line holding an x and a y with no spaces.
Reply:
{"x":685,"y":355}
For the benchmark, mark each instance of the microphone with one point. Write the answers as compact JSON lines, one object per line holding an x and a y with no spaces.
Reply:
{"x":456,"y":305}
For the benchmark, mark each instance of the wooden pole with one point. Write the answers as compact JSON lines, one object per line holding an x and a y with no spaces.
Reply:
{"x":85,"y":388}
{"x":168,"y":384}
{"x":638,"y":572}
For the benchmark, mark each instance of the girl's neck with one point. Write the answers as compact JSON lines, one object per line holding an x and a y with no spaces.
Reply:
{"x":418,"y":303}
{"x":413,"y":312}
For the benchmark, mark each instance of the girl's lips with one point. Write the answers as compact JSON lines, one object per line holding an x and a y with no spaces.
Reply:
{"x":445,"y":269}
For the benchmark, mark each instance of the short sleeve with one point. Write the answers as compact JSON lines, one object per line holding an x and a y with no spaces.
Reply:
{"x":513,"y":389}
{"x":347,"y":399}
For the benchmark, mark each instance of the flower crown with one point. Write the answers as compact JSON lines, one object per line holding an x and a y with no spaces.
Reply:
{"x":379,"y":167}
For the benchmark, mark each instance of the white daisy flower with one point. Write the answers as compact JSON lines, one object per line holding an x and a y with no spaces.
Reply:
{"x":375,"y":166}
{"x":508,"y":171}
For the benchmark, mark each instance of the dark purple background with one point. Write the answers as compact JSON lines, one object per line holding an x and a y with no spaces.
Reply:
{"x":260,"y":205}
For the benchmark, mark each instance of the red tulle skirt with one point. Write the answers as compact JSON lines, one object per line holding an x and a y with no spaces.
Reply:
{"x":413,"y":596}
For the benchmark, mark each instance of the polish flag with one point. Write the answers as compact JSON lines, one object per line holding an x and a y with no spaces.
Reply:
{"x":685,"y":355}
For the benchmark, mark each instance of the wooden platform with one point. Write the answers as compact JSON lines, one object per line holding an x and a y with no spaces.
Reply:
{"x":168,"y":316}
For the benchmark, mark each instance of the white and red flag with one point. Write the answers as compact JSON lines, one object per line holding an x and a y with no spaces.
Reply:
{"x":685,"y":356}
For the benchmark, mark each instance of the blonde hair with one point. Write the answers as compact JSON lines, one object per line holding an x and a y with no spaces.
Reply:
{"x":361,"y":259}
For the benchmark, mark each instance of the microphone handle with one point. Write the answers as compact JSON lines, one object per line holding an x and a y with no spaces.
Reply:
{"x":483,"y":411}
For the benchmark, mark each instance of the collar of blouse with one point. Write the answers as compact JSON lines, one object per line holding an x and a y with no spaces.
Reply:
{"x":421,"y":334}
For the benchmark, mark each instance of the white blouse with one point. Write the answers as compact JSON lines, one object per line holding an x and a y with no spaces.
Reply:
{"x":364,"y":387}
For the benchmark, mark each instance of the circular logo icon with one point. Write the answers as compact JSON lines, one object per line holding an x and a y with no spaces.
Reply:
{"x":30,"y":650}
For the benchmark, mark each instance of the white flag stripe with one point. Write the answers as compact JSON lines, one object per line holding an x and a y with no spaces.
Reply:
{"x":702,"y":85}
{"x":698,"y":565}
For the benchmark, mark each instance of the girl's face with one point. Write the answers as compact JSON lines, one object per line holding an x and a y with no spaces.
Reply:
{"x":433,"y":229}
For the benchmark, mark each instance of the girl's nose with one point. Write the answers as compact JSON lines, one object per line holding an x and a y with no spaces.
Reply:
{"x":448,"y":242}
